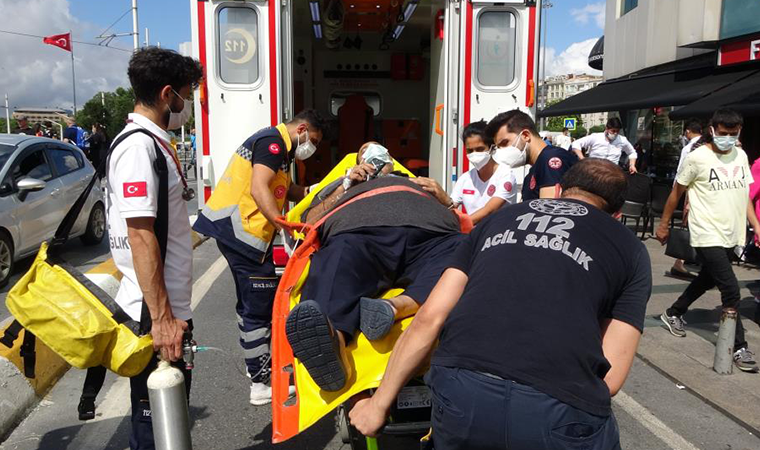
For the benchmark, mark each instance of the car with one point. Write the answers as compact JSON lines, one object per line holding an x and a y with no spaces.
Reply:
{"x":40,"y":179}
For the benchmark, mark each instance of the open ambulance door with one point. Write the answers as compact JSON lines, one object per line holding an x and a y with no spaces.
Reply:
{"x":239,"y":45}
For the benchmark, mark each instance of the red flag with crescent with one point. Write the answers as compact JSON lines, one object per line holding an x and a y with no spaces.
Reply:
{"x":59,"y":40}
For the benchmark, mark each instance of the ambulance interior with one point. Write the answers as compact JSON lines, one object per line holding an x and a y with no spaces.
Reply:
{"x":365,"y":65}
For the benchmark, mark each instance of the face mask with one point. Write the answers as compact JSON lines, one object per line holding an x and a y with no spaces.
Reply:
{"x":511,"y":155}
{"x":306,"y":149}
{"x":611,"y":136}
{"x":176,"y":120}
{"x":479,"y":159}
{"x":724,"y":143}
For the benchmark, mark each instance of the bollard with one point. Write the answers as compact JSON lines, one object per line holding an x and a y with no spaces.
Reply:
{"x":724,"y":348}
{"x":168,"y":403}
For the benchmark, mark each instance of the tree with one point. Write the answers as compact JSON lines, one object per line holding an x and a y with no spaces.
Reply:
{"x":579,"y":132}
{"x":113,"y":115}
{"x":3,"y":128}
{"x":557,"y":123}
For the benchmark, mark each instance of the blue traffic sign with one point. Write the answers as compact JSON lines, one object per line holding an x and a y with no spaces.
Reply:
{"x":570,"y":123}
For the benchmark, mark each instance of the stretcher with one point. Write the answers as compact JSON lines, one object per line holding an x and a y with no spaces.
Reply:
{"x":292,"y":415}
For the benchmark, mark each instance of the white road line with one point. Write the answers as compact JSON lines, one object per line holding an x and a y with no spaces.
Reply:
{"x":652,"y":423}
{"x":115,"y":403}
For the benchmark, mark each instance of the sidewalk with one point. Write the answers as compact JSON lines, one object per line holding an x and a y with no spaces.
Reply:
{"x":689,"y":360}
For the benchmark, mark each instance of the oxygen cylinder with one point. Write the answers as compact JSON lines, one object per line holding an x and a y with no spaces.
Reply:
{"x":168,"y":403}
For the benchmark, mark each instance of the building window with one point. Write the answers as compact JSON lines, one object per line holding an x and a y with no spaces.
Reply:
{"x":237,"y":45}
{"x":627,"y":5}
{"x":497,"y":33}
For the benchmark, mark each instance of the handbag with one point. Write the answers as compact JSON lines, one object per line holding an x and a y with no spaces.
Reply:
{"x":76,"y":319}
{"x":679,"y":245}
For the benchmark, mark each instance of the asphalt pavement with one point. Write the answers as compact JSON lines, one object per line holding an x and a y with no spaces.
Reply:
{"x":653,"y":411}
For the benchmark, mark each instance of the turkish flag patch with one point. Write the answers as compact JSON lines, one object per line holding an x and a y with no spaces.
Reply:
{"x":274,"y":149}
{"x":491,"y":190}
{"x":468,"y":192}
{"x":136,"y":189}
{"x":532,"y":182}
{"x":555,"y":163}
{"x":508,"y":186}
{"x":280,"y":191}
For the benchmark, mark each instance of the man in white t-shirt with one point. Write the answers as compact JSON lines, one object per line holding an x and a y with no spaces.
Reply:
{"x":608,"y":145}
{"x":563,"y":140}
{"x":488,"y":185}
{"x":717,"y":176}
{"x":162,"y":81}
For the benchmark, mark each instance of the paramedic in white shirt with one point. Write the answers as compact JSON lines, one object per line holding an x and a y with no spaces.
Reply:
{"x":563,"y":140}
{"x":608,"y":145}
{"x":162,"y":81}
{"x":488,"y":185}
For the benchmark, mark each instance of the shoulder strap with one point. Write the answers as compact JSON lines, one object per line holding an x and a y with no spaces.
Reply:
{"x":11,"y":334}
{"x":29,"y":353}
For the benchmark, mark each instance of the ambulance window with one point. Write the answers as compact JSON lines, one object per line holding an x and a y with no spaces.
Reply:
{"x":237,"y":45}
{"x":496,"y":48}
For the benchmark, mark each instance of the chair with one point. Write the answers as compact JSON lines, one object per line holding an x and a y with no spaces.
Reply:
{"x":355,"y":124}
{"x":637,"y":198}
{"x":660,"y":194}
{"x":634,"y":211}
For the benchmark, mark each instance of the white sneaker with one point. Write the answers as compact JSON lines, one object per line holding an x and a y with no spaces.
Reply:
{"x":261,"y":394}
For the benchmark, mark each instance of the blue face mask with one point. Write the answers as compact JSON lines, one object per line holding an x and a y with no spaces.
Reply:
{"x":724,"y":143}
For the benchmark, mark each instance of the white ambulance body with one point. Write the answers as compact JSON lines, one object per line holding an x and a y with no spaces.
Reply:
{"x":408,"y":73}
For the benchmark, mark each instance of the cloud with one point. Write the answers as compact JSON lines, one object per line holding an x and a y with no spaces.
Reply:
{"x":574,"y":59}
{"x":34,"y":74}
{"x":591,"y":12}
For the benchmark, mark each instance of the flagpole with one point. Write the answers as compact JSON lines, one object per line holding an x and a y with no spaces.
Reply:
{"x":73,"y":74}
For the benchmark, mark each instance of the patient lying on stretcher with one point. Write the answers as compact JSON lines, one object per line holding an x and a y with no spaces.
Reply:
{"x":390,"y":239}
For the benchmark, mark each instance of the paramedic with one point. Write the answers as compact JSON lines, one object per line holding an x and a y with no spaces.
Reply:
{"x":397,"y":236}
{"x":543,"y":358}
{"x":487,"y":186}
{"x":162,"y":81}
{"x":518,"y":143}
{"x":608,"y":145}
{"x":240,"y":215}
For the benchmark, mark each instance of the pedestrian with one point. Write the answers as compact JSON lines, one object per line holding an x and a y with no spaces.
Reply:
{"x":23,"y":127}
{"x":241,"y":214}
{"x":717,"y":176}
{"x":518,"y":143}
{"x":488,"y":185}
{"x":754,"y":196}
{"x":691,"y":133}
{"x":74,"y":134}
{"x":98,"y":144}
{"x":563,"y":140}
{"x":608,"y":145}
{"x":155,"y":289}
{"x":528,"y":358}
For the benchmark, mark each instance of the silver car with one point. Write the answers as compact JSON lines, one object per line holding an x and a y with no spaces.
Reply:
{"x":40,"y":179}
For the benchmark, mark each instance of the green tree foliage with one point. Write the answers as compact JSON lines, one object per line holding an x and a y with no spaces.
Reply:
{"x":3,"y":128}
{"x":557,"y":123}
{"x":579,"y":132}
{"x":113,"y":115}
{"x":596,"y":129}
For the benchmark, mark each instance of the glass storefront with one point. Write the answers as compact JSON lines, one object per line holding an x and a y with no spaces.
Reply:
{"x":739,"y":17}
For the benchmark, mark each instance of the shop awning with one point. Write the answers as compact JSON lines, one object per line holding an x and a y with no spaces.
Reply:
{"x":742,"y":96}
{"x":673,"y":88}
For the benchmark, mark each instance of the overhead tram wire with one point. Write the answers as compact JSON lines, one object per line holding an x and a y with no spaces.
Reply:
{"x":76,"y":42}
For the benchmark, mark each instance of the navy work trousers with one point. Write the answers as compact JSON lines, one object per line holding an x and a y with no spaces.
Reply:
{"x":368,"y":261}
{"x":475,"y":411}
{"x":141,"y":432}
{"x":255,"y":286}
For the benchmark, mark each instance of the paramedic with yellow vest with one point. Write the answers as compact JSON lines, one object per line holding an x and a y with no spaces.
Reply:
{"x":240,"y":215}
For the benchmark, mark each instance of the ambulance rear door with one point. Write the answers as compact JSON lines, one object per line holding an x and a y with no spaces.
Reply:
{"x":238,"y":44}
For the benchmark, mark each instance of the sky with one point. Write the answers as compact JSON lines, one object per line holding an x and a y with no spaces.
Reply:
{"x":38,"y":75}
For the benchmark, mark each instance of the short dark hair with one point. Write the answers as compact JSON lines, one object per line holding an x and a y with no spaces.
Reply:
{"x":565,"y":129}
{"x":600,"y":178}
{"x":152,"y":68}
{"x":515,"y":120}
{"x":693,"y":125}
{"x":727,"y":117}
{"x":477,"y":129}
{"x":313,"y":119}
{"x":614,"y":122}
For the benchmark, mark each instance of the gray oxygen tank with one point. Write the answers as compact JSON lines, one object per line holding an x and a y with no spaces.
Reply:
{"x":168,"y":403}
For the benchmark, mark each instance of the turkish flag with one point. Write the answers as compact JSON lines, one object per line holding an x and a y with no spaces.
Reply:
{"x":59,"y":40}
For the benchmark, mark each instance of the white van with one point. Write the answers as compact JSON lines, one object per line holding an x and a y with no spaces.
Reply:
{"x":408,"y":73}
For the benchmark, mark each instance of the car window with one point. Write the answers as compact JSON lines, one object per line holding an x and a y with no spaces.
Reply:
{"x":65,"y":161}
{"x":33,"y":165}
{"x":5,"y":153}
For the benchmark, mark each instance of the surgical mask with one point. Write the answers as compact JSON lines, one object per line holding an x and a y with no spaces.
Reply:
{"x":378,"y":156}
{"x":511,"y":155}
{"x":479,"y":159}
{"x":611,"y":136}
{"x":177,"y":119}
{"x":724,"y":143}
{"x":306,"y":149}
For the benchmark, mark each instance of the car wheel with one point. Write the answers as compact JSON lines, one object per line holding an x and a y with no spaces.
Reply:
{"x":6,"y":258}
{"x":96,"y":225}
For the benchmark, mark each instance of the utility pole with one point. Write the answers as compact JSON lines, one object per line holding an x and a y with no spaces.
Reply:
{"x":135,"y":32}
{"x":7,"y":115}
{"x":147,"y":37}
{"x":73,"y":75}
{"x":545,"y":6}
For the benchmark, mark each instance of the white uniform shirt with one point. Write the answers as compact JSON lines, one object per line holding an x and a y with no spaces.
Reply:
{"x":563,"y":141}
{"x":599,"y":147}
{"x":474,"y":193}
{"x":685,"y":151}
{"x":132,"y":191}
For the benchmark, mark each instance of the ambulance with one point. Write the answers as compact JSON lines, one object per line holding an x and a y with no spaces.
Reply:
{"x":410,"y":74}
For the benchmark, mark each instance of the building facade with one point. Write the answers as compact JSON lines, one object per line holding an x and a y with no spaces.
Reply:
{"x":40,"y":115}
{"x":561,"y":87}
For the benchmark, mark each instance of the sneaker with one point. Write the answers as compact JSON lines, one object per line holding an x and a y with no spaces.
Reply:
{"x":316,"y":345}
{"x":376,"y":317}
{"x":745,"y":360}
{"x":86,"y":408}
{"x":675,"y":324}
{"x":261,"y":394}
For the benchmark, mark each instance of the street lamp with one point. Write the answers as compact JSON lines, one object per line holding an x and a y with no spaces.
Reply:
{"x":545,"y":5}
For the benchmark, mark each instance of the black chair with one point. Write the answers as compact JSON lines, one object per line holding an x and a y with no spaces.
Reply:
{"x":637,"y":198}
{"x":635,"y":211}
{"x":660,"y":194}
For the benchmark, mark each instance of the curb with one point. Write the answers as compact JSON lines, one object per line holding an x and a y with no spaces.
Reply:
{"x":18,"y":394}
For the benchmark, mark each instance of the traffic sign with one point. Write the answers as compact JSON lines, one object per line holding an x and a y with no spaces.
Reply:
{"x":570,"y":123}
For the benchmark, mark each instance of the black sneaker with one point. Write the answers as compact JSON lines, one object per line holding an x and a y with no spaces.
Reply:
{"x":86,"y":408}
{"x":675,"y":324}
{"x":315,"y":343}
{"x":744,"y":359}
{"x":375,"y":317}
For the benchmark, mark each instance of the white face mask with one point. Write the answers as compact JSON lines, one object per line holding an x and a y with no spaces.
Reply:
{"x":511,"y":155}
{"x":724,"y":143}
{"x":306,"y":149}
{"x":177,"y":119}
{"x":479,"y":159}
{"x":611,"y":136}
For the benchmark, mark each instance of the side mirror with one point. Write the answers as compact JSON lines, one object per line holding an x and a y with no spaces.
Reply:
{"x":30,"y":185}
